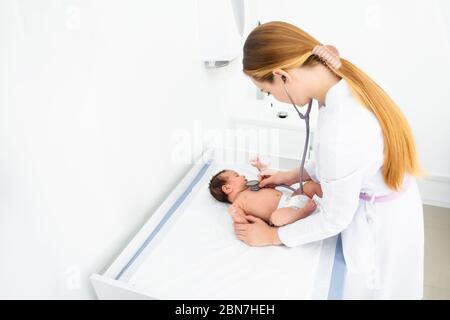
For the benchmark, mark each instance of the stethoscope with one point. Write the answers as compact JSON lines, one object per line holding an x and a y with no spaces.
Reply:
{"x":254,"y":184}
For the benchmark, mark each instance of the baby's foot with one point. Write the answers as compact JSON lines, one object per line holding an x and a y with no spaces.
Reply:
{"x":309,"y":207}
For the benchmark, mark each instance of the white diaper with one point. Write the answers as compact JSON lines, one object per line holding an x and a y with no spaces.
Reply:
{"x":298,"y":201}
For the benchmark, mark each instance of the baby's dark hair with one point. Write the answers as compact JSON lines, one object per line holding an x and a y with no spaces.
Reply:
{"x":215,"y":187}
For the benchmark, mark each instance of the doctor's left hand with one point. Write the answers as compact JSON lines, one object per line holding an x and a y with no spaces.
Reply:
{"x":256,"y":233}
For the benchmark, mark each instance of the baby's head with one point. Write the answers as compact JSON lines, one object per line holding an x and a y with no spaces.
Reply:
{"x":224,"y":183}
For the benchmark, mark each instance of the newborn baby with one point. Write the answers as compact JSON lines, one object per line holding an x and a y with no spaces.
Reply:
{"x":267,"y":204}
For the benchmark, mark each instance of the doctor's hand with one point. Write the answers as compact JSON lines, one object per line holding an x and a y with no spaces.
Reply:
{"x":272,"y":178}
{"x":256,"y":233}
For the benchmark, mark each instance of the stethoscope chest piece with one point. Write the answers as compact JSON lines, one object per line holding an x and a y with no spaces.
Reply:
{"x":253,"y":185}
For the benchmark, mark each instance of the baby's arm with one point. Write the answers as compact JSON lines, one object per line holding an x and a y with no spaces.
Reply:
{"x":256,"y":162}
{"x":237,"y":213}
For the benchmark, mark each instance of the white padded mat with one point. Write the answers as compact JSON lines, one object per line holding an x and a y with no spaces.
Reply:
{"x":196,"y":256}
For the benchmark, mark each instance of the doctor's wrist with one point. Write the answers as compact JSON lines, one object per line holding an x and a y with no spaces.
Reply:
{"x":290,"y":177}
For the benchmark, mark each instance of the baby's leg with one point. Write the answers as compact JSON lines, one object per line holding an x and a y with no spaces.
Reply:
{"x":311,"y":188}
{"x":283,"y":216}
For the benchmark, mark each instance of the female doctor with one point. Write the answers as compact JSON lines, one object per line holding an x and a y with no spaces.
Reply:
{"x":363,"y":145}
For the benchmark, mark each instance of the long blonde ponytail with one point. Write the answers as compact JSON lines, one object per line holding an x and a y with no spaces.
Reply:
{"x":279,"y":44}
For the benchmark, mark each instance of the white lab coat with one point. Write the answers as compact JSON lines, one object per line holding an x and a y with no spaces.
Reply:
{"x":382,"y":242}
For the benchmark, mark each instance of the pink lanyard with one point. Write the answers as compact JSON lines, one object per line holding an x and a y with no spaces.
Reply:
{"x":387,"y":197}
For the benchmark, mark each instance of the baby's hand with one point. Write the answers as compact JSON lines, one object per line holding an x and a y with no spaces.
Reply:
{"x":236,"y":215}
{"x":256,"y":162}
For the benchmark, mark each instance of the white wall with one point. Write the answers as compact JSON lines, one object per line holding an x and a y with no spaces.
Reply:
{"x":404,"y":45}
{"x":91,"y":95}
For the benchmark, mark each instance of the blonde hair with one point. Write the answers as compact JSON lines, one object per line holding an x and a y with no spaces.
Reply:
{"x":281,"y":45}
